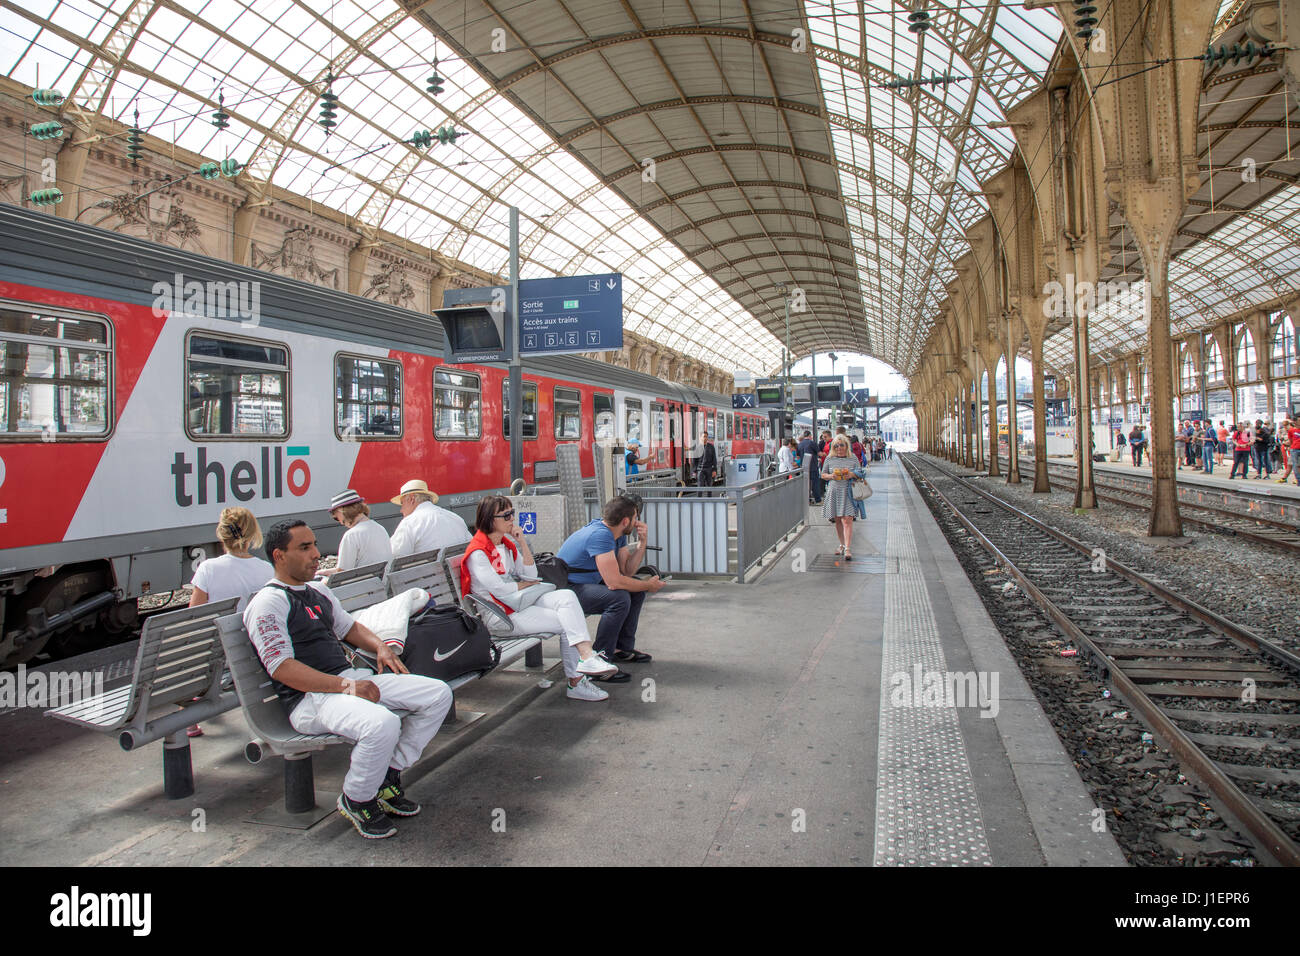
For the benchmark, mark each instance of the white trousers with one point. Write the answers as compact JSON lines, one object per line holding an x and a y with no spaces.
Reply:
{"x":381,"y":738}
{"x":556,"y":612}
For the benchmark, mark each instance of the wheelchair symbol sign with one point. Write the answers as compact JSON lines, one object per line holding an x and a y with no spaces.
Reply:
{"x":528,"y":522}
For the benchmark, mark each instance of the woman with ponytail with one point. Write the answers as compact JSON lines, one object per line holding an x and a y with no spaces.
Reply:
{"x":237,"y":573}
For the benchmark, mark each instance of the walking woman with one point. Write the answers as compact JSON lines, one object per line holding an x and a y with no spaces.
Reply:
{"x":498,"y":565}
{"x":237,"y":573}
{"x":839,"y":469}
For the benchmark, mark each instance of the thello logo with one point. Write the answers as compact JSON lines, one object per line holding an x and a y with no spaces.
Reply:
{"x":281,"y":467}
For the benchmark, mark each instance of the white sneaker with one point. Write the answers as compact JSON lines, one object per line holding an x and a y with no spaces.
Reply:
{"x":586,"y":690}
{"x":596,"y":666}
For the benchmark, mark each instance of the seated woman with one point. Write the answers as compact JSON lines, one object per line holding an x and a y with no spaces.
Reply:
{"x":498,"y":566}
{"x":365,"y":541}
{"x":237,"y":573}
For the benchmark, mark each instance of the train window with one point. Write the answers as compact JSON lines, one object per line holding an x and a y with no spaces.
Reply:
{"x":709,"y":428}
{"x":367,"y":399}
{"x":54,"y":375}
{"x":457,"y":405}
{"x":530,"y":409}
{"x":632,"y":418}
{"x":236,"y":388}
{"x":744,"y":428}
{"x":568,"y":413}
{"x":602,"y":407}
{"x":658,"y":423}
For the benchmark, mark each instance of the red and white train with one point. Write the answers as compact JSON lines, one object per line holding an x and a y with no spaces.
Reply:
{"x":140,"y":394}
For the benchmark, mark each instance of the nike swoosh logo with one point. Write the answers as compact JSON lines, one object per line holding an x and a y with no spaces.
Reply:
{"x":442,"y":657}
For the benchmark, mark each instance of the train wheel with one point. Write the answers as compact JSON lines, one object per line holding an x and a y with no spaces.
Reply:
{"x":57,"y":593}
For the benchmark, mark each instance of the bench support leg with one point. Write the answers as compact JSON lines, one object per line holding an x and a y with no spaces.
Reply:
{"x":299,"y":784}
{"x":533,"y":656}
{"x":178,"y":770}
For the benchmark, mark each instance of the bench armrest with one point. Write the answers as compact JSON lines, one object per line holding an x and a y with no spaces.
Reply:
{"x":486,"y":611}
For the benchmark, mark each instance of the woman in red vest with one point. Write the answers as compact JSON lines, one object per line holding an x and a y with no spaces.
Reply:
{"x":498,"y":567}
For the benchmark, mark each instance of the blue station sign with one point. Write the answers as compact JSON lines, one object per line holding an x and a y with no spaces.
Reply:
{"x":571,"y":314}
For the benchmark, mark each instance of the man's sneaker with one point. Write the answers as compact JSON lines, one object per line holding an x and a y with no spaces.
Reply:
{"x":596,"y":664}
{"x":394,"y":801}
{"x":369,"y":819}
{"x":586,"y":690}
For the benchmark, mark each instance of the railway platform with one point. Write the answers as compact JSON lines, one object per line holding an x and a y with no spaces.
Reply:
{"x":784,"y":722}
{"x":1268,"y":487}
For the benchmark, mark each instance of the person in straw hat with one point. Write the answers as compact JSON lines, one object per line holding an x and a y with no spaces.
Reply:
{"x":425,"y":526}
{"x":365,"y":541}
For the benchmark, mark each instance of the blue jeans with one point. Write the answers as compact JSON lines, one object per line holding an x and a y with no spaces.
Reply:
{"x":619,"y":612}
{"x":1207,"y":457}
{"x":1263,"y":464}
{"x":1295,"y":464}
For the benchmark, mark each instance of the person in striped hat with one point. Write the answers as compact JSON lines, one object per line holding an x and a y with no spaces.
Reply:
{"x":365,"y":541}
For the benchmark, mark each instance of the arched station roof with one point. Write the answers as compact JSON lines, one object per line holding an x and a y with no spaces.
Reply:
{"x":706,"y":150}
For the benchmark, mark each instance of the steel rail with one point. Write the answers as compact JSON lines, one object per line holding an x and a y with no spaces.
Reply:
{"x":1269,"y":837}
{"x":1066,"y":473}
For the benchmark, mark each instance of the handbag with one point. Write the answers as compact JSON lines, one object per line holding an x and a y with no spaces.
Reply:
{"x":527,"y":597}
{"x":861,"y":490}
{"x":445,"y":642}
{"x":552,"y":570}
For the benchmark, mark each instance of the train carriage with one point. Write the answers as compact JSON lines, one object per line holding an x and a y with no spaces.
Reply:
{"x":144,"y":388}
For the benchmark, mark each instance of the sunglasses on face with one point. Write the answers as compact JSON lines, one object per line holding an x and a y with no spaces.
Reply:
{"x":507,"y":515}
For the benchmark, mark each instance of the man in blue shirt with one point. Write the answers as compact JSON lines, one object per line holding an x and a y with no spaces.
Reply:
{"x":631,"y":463}
{"x":601,"y":573}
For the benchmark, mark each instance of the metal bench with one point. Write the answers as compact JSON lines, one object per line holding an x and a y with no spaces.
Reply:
{"x":512,"y":648}
{"x":340,"y":578}
{"x":178,"y":660}
{"x":268,"y":720}
{"x":418,"y":570}
{"x":359,"y":593}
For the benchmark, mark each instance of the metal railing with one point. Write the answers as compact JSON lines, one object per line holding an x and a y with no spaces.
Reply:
{"x":722,"y":531}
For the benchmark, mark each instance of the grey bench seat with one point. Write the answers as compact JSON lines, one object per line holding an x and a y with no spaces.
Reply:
{"x":178,"y":664}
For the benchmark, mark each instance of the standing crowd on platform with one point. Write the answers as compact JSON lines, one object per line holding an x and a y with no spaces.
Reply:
{"x":299,"y":628}
{"x":1200,"y":445}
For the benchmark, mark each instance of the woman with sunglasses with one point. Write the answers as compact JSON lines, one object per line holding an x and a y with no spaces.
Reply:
{"x":838,"y":506}
{"x":498,"y":565}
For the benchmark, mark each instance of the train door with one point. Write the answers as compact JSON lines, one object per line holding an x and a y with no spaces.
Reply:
{"x":674,"y":435}
{"x":658,"y":449}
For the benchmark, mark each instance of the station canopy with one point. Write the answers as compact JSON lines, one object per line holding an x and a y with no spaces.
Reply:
{"x":709,"y":150}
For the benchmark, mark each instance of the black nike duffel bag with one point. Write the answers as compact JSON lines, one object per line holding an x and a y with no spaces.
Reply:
{"x":445,"y":642}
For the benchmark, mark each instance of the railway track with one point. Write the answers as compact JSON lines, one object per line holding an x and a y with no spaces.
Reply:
{"x":1224,"y":701}
{"x":1128,"y":491}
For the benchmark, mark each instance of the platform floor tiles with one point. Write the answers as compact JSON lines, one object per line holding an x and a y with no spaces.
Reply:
{"x":780,"y":723}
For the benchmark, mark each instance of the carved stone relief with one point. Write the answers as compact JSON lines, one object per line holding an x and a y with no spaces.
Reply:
{"x":296,"y":257}
{"x":390,"y":285}
{"x":157,"y":216}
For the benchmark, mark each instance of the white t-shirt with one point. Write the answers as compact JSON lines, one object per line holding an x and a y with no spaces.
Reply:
{"x":267,"y":620}
{"x":428,"y":528}
{"x":229,"y":576}
{"x":366,"y":542}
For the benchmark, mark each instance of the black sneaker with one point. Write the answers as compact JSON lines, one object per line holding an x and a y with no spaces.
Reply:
{"x":369,"y":819}
{"x":394,"y":801}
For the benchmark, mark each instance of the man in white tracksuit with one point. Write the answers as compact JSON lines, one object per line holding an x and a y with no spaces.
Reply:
{"x":297,"y":628}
